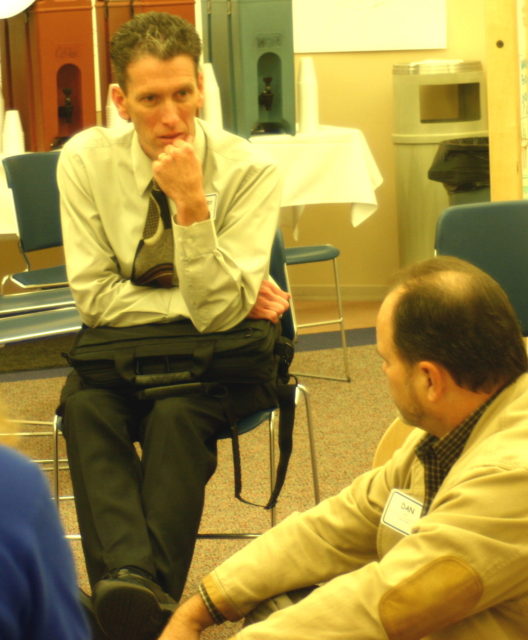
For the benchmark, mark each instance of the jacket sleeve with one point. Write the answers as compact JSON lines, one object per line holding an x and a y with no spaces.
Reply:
{"x":220,"y":268}
{"x":334,"y":538}
{"x":464,"y":557}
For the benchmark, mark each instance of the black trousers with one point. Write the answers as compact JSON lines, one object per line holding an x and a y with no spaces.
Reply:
{"x":144,"y":510}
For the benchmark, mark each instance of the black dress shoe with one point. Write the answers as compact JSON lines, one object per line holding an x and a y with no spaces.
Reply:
{"x":130,"y":606}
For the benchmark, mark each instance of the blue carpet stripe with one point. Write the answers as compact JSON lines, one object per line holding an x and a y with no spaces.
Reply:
{"x":332,"y":339}
{"x":34,"y":374}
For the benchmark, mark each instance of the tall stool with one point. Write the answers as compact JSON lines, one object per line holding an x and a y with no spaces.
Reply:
{"x":322,"y":253}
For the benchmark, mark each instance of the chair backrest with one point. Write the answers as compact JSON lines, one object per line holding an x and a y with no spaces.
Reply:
{"x":494,"y":237}
{"x":391,"y":440}
{"x":32,"y":179}
{"x":278,"y":273}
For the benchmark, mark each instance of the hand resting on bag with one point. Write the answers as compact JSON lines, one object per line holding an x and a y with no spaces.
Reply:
{"x":271,"y":303}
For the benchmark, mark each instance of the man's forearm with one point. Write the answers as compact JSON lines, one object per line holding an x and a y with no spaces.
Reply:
{"x":188,"y":621}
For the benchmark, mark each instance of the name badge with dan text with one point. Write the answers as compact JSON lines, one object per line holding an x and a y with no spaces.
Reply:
{"x":401,"y":512}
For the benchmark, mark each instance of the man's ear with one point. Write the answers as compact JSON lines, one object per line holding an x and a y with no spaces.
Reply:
{"x":119,"y":99}
{"x":433,"y":379}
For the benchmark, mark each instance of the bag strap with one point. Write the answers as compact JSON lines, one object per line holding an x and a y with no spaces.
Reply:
{"x":286,"y":404}
{"x":286,"y":401}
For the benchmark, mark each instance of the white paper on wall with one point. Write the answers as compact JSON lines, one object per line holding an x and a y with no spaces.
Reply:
{"x":368,"y":25}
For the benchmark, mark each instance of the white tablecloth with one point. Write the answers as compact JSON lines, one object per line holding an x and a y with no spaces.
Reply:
{"x":8,"y":223}
{"x":331,"y":165}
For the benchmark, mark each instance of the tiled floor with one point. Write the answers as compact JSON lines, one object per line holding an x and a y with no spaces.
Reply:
{"x":357,"y":314}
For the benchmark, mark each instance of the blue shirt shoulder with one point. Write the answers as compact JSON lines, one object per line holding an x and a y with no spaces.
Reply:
{"x":38,"y":591}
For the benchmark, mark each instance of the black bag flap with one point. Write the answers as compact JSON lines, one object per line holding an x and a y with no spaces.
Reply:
{"x":160,"y":354}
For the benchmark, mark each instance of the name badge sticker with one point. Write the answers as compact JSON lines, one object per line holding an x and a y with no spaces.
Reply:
{"x":211,"y":198}
{"x":401,"y":512}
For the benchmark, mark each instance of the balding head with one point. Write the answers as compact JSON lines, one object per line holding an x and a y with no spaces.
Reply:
{"x":450,"y":312}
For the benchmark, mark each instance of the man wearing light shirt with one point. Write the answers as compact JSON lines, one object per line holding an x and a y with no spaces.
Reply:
{"x":205,"y":258}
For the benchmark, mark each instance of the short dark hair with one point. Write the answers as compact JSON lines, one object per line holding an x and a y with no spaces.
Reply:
{"x":154,"y":33}
{"x":452,"y":313}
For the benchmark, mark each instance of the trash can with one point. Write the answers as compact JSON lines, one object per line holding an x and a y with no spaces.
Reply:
{"x":462,"y":165}
{"x":434,"y":101}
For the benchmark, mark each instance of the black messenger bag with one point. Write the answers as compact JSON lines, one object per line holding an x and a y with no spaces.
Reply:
{"x":161,"y":360}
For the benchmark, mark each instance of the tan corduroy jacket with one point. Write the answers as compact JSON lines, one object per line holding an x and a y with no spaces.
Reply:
{"x":461,"y":574}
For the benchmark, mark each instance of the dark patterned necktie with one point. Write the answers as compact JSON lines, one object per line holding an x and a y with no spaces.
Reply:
{"x":154,"y":261}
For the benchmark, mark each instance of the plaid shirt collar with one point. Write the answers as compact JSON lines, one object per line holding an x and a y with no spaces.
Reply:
{"x":438,"y":455}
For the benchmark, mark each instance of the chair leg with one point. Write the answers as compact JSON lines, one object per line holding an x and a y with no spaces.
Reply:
{"x":273,"y":472}
{"x":56,"y":462}
{"x":311,"y":440}
{"x":56,"y":473}
{"x":340,"y":320}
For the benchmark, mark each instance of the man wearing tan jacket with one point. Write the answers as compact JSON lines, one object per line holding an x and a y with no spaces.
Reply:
{"x":433,"y":543}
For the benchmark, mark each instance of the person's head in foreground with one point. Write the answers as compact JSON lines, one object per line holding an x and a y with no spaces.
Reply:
{"x":431,"y":543}
{"x":448,"y":337}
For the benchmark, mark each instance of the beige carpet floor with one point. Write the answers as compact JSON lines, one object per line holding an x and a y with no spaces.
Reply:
{"x":348,"y":418}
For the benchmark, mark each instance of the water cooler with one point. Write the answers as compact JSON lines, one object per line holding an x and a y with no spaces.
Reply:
{"x":250,"y":45}
{"x":48,"y":70}
{"x":434,"y":101}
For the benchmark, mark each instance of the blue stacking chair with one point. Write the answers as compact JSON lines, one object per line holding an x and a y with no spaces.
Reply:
{"x":494,"y":237}
{"x":32,"y":180}
{"x":21,"y":326}
{"x":40,"y":312}
{"x":270,"y":416}
{"x":323,"y":253}
{"x":39,"y":324}
{"x":16,"y":304}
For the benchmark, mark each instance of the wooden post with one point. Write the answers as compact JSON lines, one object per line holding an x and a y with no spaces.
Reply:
{"x":504,"y":99}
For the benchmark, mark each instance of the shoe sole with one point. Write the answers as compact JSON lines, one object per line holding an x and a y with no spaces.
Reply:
{"x":127,"y":611}
{"x":87,"y":606}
